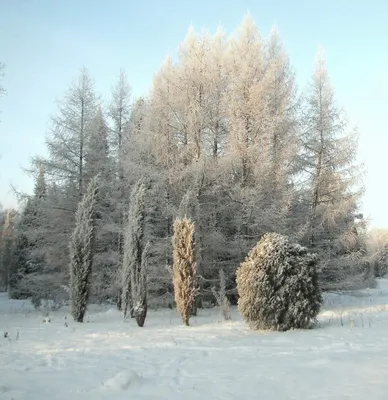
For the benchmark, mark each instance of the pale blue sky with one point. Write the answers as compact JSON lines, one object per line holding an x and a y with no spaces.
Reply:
{"x":45,"y":42}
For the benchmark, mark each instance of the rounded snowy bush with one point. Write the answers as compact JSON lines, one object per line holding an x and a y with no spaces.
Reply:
{"x":278,"y":285}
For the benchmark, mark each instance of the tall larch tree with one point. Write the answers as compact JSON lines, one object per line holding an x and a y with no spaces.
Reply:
{"x":119,"y":113}
{"x":66,"y":141}
{"x":280,"y":130}
{"x":65,"y":167}
{"x":332,"y":176}
{"x":247,"y":153}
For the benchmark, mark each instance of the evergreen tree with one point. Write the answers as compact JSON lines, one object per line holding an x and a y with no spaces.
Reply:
{"x":184,"y":268}
{"x":139,"y":286}
{"x":134,"y":296}
{"x":98,"y":161}
{"x":7,"y":242}
{"x":278,"y":285}
{"x":40,"y":188}
{"x":28,"y":263}
{"x":82,"y":252}
{"x":21,"y":264}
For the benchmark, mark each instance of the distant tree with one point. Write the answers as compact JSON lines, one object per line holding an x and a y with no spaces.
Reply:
{"x":278,"y":285}
{"x":82,"y":251}
{"x":119,"y":113}
{"x":23,"y":261}
{"x":20,"y":267}
{"x":40,"y":188}
{"x":184,"y":267}
{"x":29,"y":274}
{"x":7,"y":244}
{"x":98,"y":161}
{"x":97,"y":147}
{"x":222,"y":299}
{"x":2,"y":90}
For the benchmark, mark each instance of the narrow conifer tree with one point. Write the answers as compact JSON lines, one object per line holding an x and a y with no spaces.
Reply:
{"x":135,"y":258}
{"x":139,"y":287}
{"x":81,"y":251}
{"x":184,"y":268}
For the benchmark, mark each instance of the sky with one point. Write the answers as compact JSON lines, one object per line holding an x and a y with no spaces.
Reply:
{"x":44,"y":43}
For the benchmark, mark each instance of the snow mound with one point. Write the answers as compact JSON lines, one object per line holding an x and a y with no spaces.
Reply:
{"x":122,"y":381}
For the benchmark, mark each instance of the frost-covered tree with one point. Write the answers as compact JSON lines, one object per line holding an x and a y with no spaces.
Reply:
{"x":7,"y":243}
{"x":222,"y":299}
{"x":99,"y":160}
{"x":119,"y":113}
{"x":97,"y":147}
{"x":331,"y":177}
{"x":278,"y":285}
{"x":35,"y":269}
{"x":66,"y":178}
{"x":82,"y":251}
{"x":40,"y":188}
{"x":28,"y":260}
{"x":66,"y":142}
{"x":139,"y":287}
{"x":135,"y":258}
{"x":184,"y":267}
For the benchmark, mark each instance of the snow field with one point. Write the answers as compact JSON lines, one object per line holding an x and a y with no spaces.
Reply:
{"x":346,"y":357}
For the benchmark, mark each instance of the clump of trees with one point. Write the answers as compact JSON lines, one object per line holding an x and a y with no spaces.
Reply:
{"x":278,"y":285}
{"x":224,"y":138}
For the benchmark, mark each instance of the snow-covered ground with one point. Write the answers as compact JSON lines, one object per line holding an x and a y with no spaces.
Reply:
{"x":106,"y":358}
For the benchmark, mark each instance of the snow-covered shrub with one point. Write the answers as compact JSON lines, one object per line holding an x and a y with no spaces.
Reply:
{"x":278,"y":285}
{"x":184,"y":267}
{"x":82,"y":251}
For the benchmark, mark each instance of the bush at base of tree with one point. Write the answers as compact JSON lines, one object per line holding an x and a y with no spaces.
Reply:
{"x":278,"y":285}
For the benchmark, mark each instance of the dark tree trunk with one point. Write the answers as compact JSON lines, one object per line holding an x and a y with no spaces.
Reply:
{"x":140,"y":313}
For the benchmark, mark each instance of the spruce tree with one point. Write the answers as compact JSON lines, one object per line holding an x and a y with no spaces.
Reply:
{"x":82,"y":251}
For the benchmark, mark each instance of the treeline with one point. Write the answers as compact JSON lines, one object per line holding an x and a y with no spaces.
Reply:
{"x":224,"y":138}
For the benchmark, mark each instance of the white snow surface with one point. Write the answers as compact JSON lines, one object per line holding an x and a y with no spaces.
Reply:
{"x":345,"y":357}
